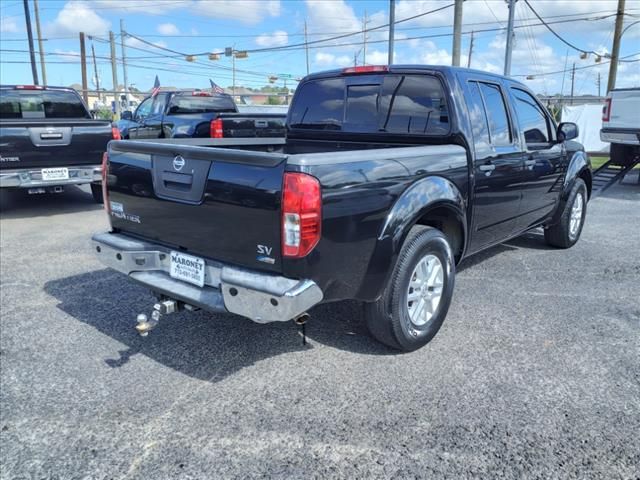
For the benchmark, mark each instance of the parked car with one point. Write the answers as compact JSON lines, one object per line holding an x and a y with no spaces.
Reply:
{"x":196,"y":114}
{"x":388,"y":178}
{"x":621,"y":124}
{"x":48,"y":140}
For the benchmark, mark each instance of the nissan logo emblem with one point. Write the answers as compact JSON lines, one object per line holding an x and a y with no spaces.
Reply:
{"x":178,"y":163}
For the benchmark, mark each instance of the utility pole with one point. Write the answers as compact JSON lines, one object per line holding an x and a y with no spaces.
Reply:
{"x":114,"y":75}
{"x":95,"y":68}
{"x":42,"y":67}
{"x":573,"y":78}
{"x":364,"y":38}
{"x":470,"y":51}
{"x":392,"y":22}
{"x":306,"y":45}
{"x":83,"y":66}
{"x":509,"y":49}
{"x":27,"y":17}
{"x":615,"y":51}
{"x":598,"y":83}
{"x":457,"y":33}
{"x":124,"y":63}
{"x":233,"y":87}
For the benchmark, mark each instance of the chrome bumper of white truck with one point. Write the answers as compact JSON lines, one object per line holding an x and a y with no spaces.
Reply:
{"x":32,"y":178}
{"x":626,"y":138}
{"x":259,"y":296}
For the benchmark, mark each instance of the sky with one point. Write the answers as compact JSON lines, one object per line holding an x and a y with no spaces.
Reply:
{"x":198,"y":27}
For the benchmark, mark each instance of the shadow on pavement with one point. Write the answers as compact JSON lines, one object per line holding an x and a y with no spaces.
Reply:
{"x":202,"y":345}
{"x":17,"y":203}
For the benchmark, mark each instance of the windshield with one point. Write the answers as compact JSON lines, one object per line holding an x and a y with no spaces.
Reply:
{"x":41,"y":104}
{"x":398,"y":104}
{"x":197,"y":104}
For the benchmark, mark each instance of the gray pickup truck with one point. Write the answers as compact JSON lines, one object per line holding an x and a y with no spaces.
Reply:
{"x":48,"y":140}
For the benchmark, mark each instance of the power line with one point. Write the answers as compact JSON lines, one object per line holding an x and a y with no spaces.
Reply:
{"x":586,"y":66}
{"x":555,"y":33}
{"x":304,"y":44}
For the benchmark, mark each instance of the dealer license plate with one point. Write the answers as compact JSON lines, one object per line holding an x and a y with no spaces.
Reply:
{"x":55,"y":173}
{"x":187,"y":268}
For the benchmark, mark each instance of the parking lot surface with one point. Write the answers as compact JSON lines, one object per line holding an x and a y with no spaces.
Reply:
{"x":535,"y":373}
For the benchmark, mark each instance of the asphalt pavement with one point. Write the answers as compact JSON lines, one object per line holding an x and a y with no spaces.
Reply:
{"x":534,"y":374}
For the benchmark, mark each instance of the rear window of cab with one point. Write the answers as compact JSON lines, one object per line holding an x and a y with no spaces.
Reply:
{"x":395,"y":104}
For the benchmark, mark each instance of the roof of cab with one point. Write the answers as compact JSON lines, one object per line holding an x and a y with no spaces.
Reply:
{"x":412,"y":67}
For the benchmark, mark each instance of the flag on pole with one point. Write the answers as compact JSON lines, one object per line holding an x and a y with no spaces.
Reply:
{"x":215,"y":87}
{"x":156,"y":87}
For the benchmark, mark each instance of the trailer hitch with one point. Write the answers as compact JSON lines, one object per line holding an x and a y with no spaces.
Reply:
{"x":160,"y":309}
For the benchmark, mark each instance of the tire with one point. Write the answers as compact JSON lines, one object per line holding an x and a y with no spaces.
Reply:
{"x":394,"y":319}
{"x":565,"y":234}
{"x":96,"y":191}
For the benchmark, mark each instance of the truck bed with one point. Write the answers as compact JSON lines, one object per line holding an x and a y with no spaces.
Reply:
{"x":224,"y":203}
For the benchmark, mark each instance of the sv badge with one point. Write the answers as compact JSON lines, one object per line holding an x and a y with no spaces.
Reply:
{"x":264,"y":254}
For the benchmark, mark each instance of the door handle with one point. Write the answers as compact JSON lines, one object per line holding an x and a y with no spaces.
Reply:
{"x":529,"y":163}
{"x":487,"y":167}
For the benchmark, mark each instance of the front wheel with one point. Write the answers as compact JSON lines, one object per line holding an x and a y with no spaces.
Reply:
{"x":416,"y":300}
{"x":566,"y":232}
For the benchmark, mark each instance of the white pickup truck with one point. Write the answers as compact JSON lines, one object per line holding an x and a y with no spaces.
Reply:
{"x":621,"y":124}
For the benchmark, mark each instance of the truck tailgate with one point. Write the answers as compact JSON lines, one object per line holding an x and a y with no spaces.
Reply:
{"x":625,"y":105}
{"x":53,"y":142}
{"x":210,"y":202}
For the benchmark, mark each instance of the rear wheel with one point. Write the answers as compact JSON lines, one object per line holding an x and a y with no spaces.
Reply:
{"x":416,"y":300}
{"x":96,"y":191}
{"x":566,"y":232}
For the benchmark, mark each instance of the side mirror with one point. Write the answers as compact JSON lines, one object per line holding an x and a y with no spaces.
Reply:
{"x":567,"y":131}
{"x":126,"y":115}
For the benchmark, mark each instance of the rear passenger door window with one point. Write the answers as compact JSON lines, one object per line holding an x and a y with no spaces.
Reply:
{"x":497,"y":117}
{"x":532,"y":119}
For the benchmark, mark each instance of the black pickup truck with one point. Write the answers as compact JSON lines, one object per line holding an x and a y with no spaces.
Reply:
{"x":48,"y":140}
{"x":196,"y":114}
{"x":388,"y":177}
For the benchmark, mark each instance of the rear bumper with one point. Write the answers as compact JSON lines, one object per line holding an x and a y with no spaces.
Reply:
{"x":623,"y":136}
{"x":31,"y":178}
{"x":261,"y":297}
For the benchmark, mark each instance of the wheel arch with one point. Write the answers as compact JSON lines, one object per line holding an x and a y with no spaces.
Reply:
{"x":579,"y":167}
{"x":431,"y":201}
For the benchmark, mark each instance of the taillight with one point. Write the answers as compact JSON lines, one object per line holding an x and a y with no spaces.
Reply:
{"x":301,"y":214}
{"x":29,"y":87}
{"x":115,"y":133}
{"x":606,"y":110}
{"x":105,"y":190}
{"x":366,"y":69}
{"x":215,"y":128}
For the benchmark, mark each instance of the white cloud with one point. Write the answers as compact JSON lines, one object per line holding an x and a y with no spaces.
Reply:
{"x":77,"y":16}
{"x":249,"y":12}
{"x":276,"y":39}
{"x":69,"y":55}
{"x":145,"y":7}
{"x":377,"y":57}
{"x":167,"y":29}
{"x":327,"y":60}
{"x":8,"y":25}
{"x":134,"y":42}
